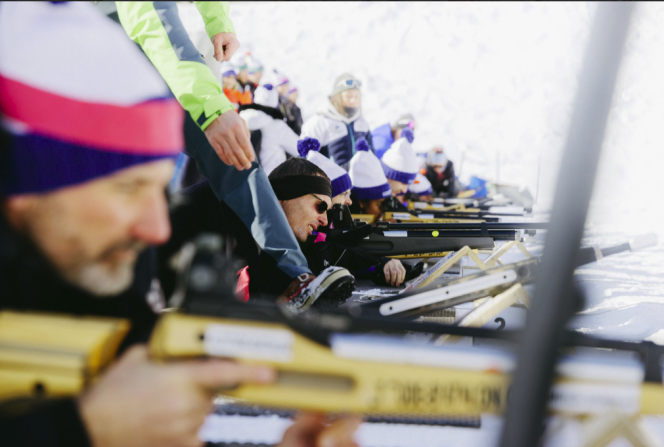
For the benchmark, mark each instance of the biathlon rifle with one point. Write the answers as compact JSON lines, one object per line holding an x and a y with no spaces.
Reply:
{"x":497,"y":230}
{"x":327,"y":362}
{"x":396,"y":210}
{"x":481,"y":205}
{"x":347,"y":232}
{"x":324,"y":361}
{"x":416,"y":302}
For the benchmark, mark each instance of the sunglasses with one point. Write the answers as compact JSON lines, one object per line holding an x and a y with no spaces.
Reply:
{"x":321,"y":206}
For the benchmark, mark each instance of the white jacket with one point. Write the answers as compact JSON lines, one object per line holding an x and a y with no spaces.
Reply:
{"x":277,"y":138}
{"x":336,"y":133}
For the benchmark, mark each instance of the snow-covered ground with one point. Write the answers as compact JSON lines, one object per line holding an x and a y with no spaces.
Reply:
{"x":494,"y":84}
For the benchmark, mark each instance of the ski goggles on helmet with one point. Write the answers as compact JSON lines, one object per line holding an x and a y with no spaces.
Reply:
{"x":353,"y":83}
{"x":402,"y":123}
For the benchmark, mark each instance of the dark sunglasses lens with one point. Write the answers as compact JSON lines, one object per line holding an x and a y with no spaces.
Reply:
{"x":321,"y":207}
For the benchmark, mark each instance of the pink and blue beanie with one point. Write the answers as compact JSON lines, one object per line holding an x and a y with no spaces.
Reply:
{"x":99,"y":107}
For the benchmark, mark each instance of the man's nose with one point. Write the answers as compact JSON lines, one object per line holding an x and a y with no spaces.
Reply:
{"x":322,"y":219}
{"x":153,"y":225}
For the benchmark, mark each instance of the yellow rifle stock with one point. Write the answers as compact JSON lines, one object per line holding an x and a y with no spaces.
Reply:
{"x":51,"y":355}
{"x":312,"y":376}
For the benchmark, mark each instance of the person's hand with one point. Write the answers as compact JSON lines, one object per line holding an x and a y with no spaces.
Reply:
{"x":142,"y":403}
{"x":394,"y":272}
{"x":229,"y":137}
{"x":310,"y":430}
{"x":225,"y":45}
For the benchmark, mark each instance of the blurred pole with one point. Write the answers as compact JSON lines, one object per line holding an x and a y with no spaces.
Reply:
{"x":554,"y":292}
{"x":539,"y":170}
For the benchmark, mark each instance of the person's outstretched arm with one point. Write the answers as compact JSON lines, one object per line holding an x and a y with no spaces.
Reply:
{"x":161,"y":35}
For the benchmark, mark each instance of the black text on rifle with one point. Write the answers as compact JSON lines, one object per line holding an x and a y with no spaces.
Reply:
{"x":494,"y":281}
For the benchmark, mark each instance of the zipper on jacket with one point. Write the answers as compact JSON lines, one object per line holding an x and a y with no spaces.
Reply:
{"x":352,"y":139}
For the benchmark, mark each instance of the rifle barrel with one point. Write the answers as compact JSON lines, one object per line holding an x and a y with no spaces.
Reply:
{"x":463,"y":226}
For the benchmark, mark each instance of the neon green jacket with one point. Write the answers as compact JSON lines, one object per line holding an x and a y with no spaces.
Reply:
{"x":157,"y":28}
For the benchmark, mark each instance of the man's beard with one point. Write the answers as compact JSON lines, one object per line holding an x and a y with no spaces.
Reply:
{"x":100,"y":279}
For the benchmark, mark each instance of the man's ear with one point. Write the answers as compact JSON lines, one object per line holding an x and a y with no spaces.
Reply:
{"x":14,"y":208}
{"x":17,"y":203}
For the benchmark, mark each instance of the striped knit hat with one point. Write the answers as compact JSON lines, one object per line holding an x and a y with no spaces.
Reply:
{"x":399,"y":161}
{"x":366,"y":173}
{"x":421,"y":185}
{"x":309,"y":148}
{"x":99,"y":107}
{"x":253,"y":65}
{"x":228,"y":69}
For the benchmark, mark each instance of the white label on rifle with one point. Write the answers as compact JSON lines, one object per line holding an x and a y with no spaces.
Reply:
{"x":227,"y":340}
{"x":391,"y":349}
{"x":425,"y":216}
{"x":402,"y":216}
{"x":396,"y":233}
{"x":591,"y":398}
{"x":421,"y":205}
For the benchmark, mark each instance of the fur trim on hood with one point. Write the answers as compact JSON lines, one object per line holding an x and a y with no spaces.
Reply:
{"x":328,"y":110}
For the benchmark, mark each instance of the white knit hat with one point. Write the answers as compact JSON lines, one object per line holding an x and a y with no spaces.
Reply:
{"x":253,"y":65}
{"x":400,"y":162}
{"x":279,"y":78}
{"x":421,"y":185}
{"x":366,"y":173}
{"x":227,"y":69}
{"x":266,"y":94}
{"x":309,"y":148}
{"x":239,"y":60}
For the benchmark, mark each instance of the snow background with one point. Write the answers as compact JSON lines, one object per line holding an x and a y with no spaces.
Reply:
{"x":494,"y":84}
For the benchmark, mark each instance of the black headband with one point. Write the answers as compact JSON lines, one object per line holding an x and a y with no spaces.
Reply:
{"x":294,"y":186}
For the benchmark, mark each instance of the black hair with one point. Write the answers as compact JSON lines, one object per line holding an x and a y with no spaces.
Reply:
{"x":296,"y":166}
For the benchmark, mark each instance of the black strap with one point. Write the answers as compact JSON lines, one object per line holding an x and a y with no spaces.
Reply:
{"x":294,"y":186}
{"x":274,"y":113}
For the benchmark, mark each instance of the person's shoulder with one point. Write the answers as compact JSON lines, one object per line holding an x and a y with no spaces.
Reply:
{"x":256,"y":119}
{"x":361,"y":125}
{"x":318,"y":120}
{"x":382,"y":129}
